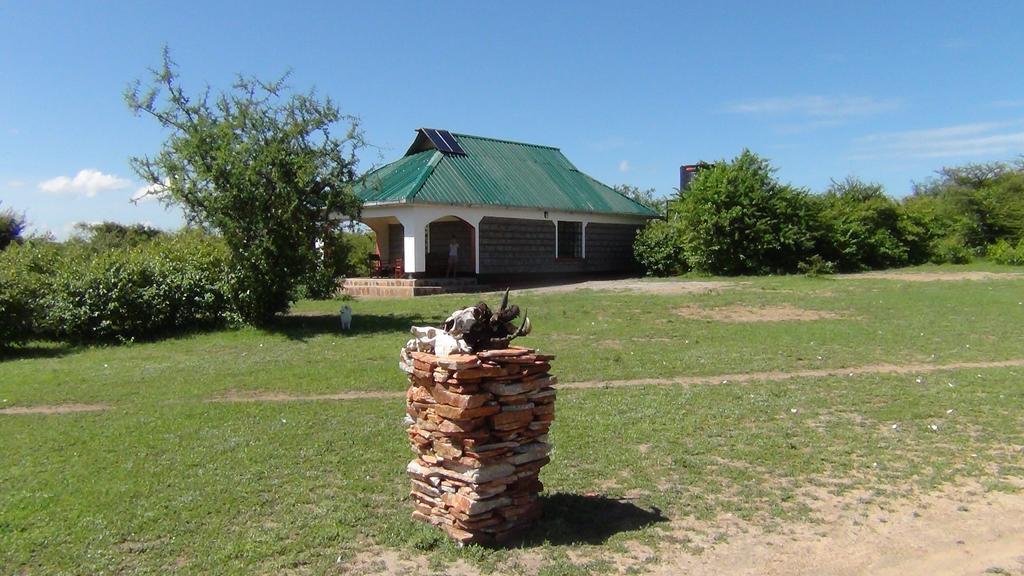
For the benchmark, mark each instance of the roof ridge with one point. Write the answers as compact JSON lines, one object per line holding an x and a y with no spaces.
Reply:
{"x":435,"y":159}
{"x":506,"y":141}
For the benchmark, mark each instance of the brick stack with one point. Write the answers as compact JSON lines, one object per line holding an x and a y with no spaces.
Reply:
{"x":480,"y":435}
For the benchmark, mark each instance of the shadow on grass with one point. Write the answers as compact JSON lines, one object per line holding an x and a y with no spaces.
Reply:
{"x":303,"y":326}
{"x":574,"y":519}
{"x":36,"y":351}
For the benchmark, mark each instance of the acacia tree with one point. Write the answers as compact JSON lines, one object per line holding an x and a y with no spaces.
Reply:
{"x":12,"y":225}
{"x":258,"y":164}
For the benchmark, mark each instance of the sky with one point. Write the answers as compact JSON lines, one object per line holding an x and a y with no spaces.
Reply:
{"x":885,"y":91}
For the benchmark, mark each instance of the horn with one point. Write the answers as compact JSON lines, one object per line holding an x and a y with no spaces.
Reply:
{"x":526,"y":326}
{"x":504,"y":300}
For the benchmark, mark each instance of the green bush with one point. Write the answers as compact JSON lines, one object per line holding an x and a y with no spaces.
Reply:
{"x":659,"y":250}
{"x":736,"y":218}
{"x":949,"y":250}
{"x":20,"y":291}
{"x":861,"y":228}
{"x":816,"y":266}
{"x":1002,"y":252}
{"x":171,"y":283}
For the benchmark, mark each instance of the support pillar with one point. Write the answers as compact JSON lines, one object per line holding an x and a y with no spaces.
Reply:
{"x":414,"y":254}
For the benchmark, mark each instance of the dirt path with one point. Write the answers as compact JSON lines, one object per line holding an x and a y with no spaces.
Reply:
{"x":270,"y":396}
{"x":778,"y":376}
{"x":258,"y":396}
{"x":55,"y":409}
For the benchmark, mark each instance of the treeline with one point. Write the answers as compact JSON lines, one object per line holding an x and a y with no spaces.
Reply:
{"x":117,"y":282}
{"x":737,"y":218}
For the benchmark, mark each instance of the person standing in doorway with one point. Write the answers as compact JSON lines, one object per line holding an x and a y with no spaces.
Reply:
{"x":453,"y":258}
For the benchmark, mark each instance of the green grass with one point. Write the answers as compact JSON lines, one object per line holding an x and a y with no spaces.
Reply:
{"x":166,"y":481}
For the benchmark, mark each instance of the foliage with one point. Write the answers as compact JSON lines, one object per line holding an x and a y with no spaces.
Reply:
{"x":341,"y":254}
{"x":736,"y":218}
{"x":261,"y":167}
{"x":975,"y":204}
{"x":1002,"y":252}
{"x":108,"y":235}
{"x":72,"y":291}
{"x":19,"y":297}
{"x":167,"y":284}
{"x":645,"y":197}
{"x":12,"y":226}
{"x":816,"y":266}
{"x":861,"y":228}
{"x":659,"y":250}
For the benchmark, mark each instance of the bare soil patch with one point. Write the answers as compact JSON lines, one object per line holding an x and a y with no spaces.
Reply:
{"x":957,"y":531}
{"x":932,"y":276}
{"x":740,"y":313}
{"x":960,"y":530}
{"x":649,"y":287}
{"x":55,"y":409}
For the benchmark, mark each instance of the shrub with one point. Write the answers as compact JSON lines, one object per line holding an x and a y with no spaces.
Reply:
{"x":949,"y":250}
{"x":737,"y":219}
{"x":19,"y":297}
{"x":862,"y":228}
{"x":1002,"y":252}
{"x":168,"y":284}
{"x":659,"y":250}
{"x":816,"y":266}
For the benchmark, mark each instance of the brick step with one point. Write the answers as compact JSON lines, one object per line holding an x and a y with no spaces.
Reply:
{"x":406,"y":288}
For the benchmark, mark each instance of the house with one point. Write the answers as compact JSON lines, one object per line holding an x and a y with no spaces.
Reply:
{"x":513,"y":208}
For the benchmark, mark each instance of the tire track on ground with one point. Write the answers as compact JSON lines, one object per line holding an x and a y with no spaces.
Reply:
{"x":772,"y":376}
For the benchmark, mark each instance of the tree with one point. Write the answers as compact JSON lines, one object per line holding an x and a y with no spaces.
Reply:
{"x":736,"y":218}
{"x":260,"y":165}
{"x":645,"y":197}
{"x":108,"y":235}
{"x":12,"y":225}
{"x":861,"y":228}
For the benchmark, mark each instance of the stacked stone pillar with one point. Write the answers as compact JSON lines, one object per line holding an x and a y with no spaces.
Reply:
{"x":480,"y":435}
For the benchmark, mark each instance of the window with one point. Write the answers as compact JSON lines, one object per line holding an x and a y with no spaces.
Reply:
{"x":570,"y":239}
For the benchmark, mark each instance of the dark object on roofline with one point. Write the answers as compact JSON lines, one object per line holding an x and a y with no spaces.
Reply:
{"x":687,"y":172}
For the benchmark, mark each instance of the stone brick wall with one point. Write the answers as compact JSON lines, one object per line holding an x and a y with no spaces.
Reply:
{"x":396,"y":242}
{"x":610,"y":247}
{"x":515,"y":246}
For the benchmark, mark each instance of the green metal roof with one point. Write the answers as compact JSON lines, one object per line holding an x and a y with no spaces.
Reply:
{"x":493,"y":173}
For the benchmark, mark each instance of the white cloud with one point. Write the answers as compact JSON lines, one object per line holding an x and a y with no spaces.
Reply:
{"x":148,"y":192}
{"x":976,"y":139}
{"x":817,"y":107}
{"x":624,"y":166}
{"x":87,"y":183}
{"x":15,"y":183}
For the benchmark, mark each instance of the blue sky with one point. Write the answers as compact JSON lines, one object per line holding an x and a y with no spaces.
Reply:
{"x":887,"y":91}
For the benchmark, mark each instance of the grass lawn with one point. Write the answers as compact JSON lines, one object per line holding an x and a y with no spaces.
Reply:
{"x":166,"y":480}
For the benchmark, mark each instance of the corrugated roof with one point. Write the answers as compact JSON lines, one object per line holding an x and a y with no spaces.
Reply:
{"x":493,"y":173}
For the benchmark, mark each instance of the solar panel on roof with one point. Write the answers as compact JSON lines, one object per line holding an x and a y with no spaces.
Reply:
{"x":453,"y":144}
{"x":443,"y":141}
